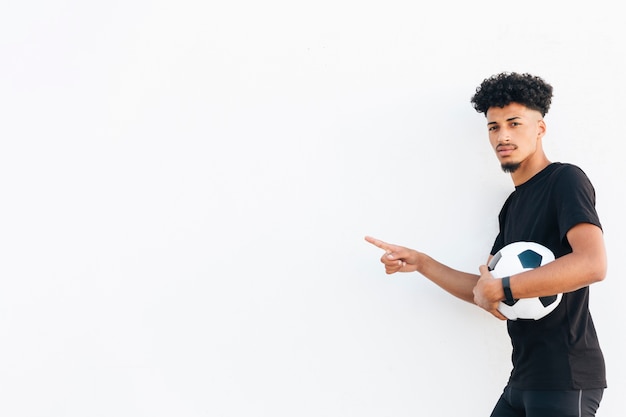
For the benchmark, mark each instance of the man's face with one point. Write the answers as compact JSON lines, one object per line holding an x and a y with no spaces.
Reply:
{"x":514,"y":133}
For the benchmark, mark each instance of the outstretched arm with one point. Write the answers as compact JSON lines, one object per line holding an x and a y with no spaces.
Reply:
{"x":400,"y":259}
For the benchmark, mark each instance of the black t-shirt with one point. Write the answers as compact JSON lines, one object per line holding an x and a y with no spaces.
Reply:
{"x":560,"y":351}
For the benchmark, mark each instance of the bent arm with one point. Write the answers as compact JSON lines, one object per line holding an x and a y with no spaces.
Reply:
{"x":585,"y":265}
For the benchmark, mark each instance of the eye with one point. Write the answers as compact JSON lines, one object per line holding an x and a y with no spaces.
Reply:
{"x":493,"y":128}
{"x":514,"y":124}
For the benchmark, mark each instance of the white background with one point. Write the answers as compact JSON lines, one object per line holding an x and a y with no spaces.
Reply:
{"x":185,"y":187}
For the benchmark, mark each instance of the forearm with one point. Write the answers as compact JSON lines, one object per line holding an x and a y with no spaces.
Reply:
{"x":402,"y":259}
{"x":584,"y":266}
{"x":458,"y":283}
{"x":568,"y":273}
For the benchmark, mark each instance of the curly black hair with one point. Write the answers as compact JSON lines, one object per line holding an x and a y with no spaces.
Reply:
{"x":509,"y":87}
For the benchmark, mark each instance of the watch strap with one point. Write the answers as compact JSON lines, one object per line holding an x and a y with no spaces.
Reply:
{"x":506,"y":286}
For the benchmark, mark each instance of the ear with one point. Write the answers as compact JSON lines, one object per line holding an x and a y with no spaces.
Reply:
{"x":541,"y":128}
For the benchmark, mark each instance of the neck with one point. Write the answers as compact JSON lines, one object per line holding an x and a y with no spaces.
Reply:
{"x":527,"y":171}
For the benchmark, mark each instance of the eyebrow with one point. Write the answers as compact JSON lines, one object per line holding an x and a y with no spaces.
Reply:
{"x":507,"y":120}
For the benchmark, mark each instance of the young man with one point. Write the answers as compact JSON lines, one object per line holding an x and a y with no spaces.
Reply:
{"x":558,"y":366}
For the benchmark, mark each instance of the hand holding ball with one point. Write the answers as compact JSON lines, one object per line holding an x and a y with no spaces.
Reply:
{"x":513,"y":259}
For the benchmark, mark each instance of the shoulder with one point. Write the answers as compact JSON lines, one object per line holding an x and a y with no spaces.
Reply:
{"x":571,"y":187}
{"x":567,"y":173}
{"x":564,"y":167}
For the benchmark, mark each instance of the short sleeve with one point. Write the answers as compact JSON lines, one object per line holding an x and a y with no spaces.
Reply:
{"x":575,"y":200}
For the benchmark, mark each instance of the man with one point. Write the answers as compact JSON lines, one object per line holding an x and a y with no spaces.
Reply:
{"x":558,"y":366}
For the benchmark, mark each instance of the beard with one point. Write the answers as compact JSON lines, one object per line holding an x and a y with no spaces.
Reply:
{"x":510,"y":167}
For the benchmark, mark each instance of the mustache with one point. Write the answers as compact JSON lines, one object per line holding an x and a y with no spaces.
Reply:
{"x":508,"y":145}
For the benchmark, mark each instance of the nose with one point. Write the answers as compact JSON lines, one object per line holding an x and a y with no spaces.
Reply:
{"x":504,"y":136}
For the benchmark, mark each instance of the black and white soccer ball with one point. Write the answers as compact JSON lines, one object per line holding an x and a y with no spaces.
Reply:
{"x":513,"y":259}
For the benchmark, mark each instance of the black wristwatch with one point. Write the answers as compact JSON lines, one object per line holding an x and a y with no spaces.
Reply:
{"x":506,"y":286}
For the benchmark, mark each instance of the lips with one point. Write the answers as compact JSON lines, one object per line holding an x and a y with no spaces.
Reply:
{"x":505,"y":150}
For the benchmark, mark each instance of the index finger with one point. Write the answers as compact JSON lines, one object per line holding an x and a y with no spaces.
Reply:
{"x":379,"y":243}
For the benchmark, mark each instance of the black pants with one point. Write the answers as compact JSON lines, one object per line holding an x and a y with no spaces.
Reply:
{"x":527,"y":403}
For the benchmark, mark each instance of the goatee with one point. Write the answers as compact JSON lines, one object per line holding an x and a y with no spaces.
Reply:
{"x":510,"y":167}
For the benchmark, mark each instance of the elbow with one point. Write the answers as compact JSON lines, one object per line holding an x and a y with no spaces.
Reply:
{"x":598,"y":271}
{"x":598,"y":277}
{"x":591,"y":269}
{"x":594,"y":263}
{"x":601,"y":275}
{"x":588,"y":248}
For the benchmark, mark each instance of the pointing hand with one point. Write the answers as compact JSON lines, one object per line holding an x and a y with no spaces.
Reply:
{"x":396,"y":258}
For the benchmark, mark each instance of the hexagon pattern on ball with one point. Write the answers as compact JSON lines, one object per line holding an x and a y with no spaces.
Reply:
{"x":513,"y":259}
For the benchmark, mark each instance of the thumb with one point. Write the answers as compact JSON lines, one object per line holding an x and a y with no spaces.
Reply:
{"x":397,"y":253}
{"x":484,"y":269}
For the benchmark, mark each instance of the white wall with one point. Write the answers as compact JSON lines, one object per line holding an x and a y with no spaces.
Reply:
{"x":186,"y":186}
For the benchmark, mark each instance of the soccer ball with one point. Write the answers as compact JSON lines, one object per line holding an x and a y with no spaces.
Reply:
{"x":519,"y":257}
